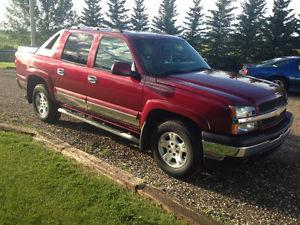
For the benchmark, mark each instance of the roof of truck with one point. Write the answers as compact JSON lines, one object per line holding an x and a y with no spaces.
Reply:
{"x":126,"y":33}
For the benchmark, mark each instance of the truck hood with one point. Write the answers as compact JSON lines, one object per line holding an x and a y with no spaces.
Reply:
{"x":233,"y":87}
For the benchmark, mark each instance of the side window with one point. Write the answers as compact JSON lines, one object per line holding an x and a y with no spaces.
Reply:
{"x":280,"y":63}
{"x":298,"y":65}
{"x":52,"y":42}
{"x":47,"y":49}
{"x":112,"y":50}
{"x":77,"y":48}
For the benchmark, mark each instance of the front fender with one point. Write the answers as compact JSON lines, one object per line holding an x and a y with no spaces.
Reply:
{"x":196,"y":117}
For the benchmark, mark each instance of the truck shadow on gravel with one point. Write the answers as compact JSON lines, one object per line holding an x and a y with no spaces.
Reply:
{"x":270,"y":183}
{"x":86,"y":129}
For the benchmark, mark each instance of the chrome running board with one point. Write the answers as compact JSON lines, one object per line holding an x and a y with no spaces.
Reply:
{"x":101,"y":126}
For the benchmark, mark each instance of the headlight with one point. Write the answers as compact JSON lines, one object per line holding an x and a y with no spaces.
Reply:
{"x":240,"y":112}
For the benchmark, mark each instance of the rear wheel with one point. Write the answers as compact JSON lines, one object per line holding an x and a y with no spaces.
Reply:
{"x":176,"y":149}
{"x":280,"y":81}
{"x":44,"y":107}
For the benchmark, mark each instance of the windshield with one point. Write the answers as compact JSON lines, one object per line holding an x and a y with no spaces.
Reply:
{"x":166,"y":56}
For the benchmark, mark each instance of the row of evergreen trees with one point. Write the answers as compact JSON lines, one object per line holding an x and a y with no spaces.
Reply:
{"x":224,"y":40}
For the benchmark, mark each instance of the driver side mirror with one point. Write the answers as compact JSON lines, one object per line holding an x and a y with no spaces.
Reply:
{"x":123,"y":69}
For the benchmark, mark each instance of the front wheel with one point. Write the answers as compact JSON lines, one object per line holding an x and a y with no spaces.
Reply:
{"x":176,"y":149}
{"x":44,"y":107}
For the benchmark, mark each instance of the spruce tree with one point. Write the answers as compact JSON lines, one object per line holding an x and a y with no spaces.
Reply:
{"x":166,"y":21}
{"x":282,"y":26}
{"x":193,"y":23}
{"x":249,"y":37}
{"x":18,"y":18}
{"x":298,"y":35}
{"x":91,"y":15}
{"x":53,"y":16}
{"x":139,"y":19}
{"x":17,"y":21}
{"x":219,"y":31}
{"x":117,"y":18}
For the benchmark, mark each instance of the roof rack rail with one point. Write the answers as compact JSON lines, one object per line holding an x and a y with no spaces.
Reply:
{"x":97,"y":29}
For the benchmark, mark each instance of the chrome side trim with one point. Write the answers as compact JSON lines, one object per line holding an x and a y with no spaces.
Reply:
{"x":114,"y":114}
{"x":274,"y":113}
{"x":219,"y":151}
{"x":98,"y":109}
{"x":21,"y":76}
{"x":101,"y":126}
{"x":21,"y":83}
{"x":70,"y":100}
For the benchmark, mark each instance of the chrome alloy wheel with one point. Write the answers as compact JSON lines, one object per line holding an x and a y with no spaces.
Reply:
{"x":279,"y":82}
{"x":172,"y":150}
{"x":42,"y":104}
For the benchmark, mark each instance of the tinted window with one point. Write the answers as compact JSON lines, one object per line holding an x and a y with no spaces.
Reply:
{"x":77,"y":48}
{"x":273,"y":63}
{"x":52,"y":42}
{"x":298,"y":65}
{"x":112,"y":50}
{"x":165,"y":56}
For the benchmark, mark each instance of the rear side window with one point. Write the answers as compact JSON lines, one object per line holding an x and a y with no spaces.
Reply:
{"x":48,"y":48}
{"x":77,"y":48}
{"x":112,"y":50}
{"x":52,"y":42}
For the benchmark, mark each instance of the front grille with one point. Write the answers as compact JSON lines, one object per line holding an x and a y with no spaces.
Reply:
{"x":272,"y":105}
{"x":271,"y":122}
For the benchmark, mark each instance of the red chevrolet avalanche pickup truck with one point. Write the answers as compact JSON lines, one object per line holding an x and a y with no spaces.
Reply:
{"x":155,"y":90}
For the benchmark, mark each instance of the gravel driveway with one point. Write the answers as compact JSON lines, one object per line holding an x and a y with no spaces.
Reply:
{"x":266,"y":191}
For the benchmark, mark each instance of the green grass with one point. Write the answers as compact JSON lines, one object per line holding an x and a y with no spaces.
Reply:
{"x":8,"y":41}
{"x":38,"y":186}
{"x":5,"y":65}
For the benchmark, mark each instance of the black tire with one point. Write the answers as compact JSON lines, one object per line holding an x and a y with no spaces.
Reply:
{"x":192,"y":159}
{"x":280,"y":81}
{"x":47,"y":109}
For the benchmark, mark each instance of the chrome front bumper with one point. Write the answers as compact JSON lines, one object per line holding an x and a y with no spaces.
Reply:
{"x":220,"y":146}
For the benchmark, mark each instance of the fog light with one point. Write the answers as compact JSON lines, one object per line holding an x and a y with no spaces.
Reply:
{"x":244,"y":128}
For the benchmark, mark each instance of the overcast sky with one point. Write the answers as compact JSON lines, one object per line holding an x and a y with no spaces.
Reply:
{"x":153,"y":5}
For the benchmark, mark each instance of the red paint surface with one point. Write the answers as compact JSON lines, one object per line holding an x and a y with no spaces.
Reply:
{"x":203,"y":97}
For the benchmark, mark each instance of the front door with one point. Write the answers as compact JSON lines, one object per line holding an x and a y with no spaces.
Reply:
{"x":71,"y":75}
{"x":115,"y":97}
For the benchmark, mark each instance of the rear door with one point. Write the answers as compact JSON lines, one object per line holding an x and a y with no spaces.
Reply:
{"x":115,"y":97}
{"x":71,"y":75}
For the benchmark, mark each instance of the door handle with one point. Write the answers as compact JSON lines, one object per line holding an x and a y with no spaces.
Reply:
{"x":92,"y":79}
{"x":60,"y":72}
